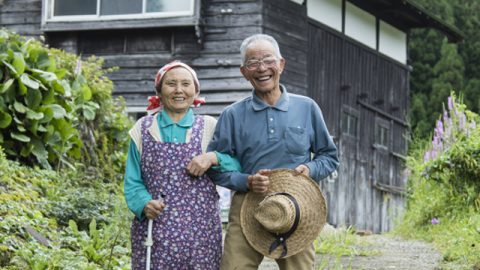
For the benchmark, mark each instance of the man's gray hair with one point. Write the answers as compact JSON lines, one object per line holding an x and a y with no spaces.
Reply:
{"x":258,"y":37}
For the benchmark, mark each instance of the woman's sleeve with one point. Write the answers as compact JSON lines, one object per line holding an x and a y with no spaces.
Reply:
{"x":136,"y":193}
{"x":226,"y":162}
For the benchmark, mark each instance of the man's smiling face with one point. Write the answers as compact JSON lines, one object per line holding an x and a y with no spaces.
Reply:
{"x":262,"y":67}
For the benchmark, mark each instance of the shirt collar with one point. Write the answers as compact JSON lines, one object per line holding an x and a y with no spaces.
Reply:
{"x":281,"y":104}
{"x":186,"y":121}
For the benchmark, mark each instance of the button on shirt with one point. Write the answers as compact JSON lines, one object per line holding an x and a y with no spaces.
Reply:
{"x":268,"y":137}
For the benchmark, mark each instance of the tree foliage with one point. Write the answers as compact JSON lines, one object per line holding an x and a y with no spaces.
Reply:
{"x":440,"y":67}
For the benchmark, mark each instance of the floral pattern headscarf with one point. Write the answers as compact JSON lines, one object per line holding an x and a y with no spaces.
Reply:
{"x":154,"y":102}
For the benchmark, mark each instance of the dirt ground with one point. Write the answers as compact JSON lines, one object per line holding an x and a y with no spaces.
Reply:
{"x":394,"y":253}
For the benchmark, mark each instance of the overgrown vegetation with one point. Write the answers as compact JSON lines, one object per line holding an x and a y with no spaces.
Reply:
{"x":56,"y":109}
{"x":444,"y":192}
{"x":63,"y":143}
{"x":440,"y":66}
{"x":51,"y":220}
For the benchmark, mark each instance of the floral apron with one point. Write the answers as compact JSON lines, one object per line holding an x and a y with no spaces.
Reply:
{"x":187,"y":234}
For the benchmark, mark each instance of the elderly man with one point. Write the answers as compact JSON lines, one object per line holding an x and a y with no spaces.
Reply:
{"x":269,"y":129}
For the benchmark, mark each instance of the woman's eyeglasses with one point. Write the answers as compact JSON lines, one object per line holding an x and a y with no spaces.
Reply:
{"x":255,"y":64}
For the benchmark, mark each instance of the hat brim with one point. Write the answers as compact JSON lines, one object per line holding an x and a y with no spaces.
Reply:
{"x":313,"y":213}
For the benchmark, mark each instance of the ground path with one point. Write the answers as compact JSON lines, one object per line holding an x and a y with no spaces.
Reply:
{"x":393,"y":253}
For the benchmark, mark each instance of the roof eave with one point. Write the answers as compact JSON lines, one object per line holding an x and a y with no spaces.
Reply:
{"x":407,"y":15}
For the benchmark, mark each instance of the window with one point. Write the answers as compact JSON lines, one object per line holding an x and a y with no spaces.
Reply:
{"x":349,"y":121}
{"x":88,"y":15}
{"x":82,"y":10}
{"x":382,"y":133}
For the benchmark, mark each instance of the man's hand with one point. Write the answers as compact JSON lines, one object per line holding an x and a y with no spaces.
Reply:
{"x":153,"y":208}
{"x":201,"y":163}
{"x":303,"y":169}
{"x":259,"y":182}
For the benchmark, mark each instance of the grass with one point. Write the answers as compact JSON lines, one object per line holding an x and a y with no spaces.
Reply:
{"x":456,"y":237}
{"x":340,"y":246}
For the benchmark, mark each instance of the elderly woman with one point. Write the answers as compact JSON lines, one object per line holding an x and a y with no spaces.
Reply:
{"x":165,"y":178}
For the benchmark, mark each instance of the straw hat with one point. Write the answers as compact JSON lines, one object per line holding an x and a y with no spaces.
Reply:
{"x":288,"y":218}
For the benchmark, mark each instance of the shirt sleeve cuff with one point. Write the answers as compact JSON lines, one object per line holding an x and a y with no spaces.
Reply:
{"x":313,"y":170}
{"x":141,"y":205}
{"x":226,"y":163}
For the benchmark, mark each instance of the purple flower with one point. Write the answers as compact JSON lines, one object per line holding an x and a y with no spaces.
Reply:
{"x":445,"y":117}
{"x":426,"y":157}
{"x":451,"y":105}
{"x":78,"y":68}
{"x":461,"y":121}
{"x":435,"y":221}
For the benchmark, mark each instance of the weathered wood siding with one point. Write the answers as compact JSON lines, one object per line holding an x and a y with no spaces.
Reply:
{"x":286,"y":21}
{"x":226,"y":24}
{"x":338,"y":73}
{"x":344,"y":75}
{"x":139,"y":53}
{"x":21,"y":16}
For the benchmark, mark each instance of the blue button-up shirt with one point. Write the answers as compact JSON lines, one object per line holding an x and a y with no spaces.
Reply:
{"x":284,"y":135}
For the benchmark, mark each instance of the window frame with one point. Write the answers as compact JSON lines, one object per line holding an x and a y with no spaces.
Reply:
{"x":350,"y":112}
{"x":382,"y":124}
{"x":121,"y":21}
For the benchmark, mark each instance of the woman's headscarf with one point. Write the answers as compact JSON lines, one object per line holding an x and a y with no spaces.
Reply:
{"x":154,"y":102}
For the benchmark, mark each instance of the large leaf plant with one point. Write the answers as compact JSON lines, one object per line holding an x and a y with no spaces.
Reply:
{"x":49,"y":110}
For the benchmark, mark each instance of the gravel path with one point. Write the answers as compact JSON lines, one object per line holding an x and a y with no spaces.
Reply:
{"x":393,"y":253}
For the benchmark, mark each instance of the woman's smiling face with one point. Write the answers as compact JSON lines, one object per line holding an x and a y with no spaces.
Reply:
{"x":178,"y":90}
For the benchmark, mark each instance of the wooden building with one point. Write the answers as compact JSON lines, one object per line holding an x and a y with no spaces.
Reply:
{"x":349,"y":55}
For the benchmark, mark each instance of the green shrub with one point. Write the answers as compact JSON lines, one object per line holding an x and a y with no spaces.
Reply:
{"x":56,"y":109}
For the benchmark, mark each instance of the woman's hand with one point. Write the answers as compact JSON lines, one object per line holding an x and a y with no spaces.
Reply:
{"x":259,"y":182}
{"x":153,"y":208}
{"x":201,"y":163}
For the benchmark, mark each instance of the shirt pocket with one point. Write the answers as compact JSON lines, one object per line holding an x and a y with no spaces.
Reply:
{"x":296,"y":140}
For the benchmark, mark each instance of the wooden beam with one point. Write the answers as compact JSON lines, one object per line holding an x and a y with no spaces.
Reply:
{"x":382,"y":113}
{"x":388,"y":188}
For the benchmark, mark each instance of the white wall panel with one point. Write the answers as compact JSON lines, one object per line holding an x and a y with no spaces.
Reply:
{"x":360,"y":25}
{"x":328,"y":12}
{"x":393,"y":42}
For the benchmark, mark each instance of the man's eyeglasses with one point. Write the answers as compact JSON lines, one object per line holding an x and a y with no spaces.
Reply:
{"x":255,"y":64}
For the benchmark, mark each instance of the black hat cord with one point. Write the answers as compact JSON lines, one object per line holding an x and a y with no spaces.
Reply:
{"x":281,"y":239}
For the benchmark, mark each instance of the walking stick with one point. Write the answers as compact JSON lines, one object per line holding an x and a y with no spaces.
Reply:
{"x":149,"y":240}
{"x":149,"y":243}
